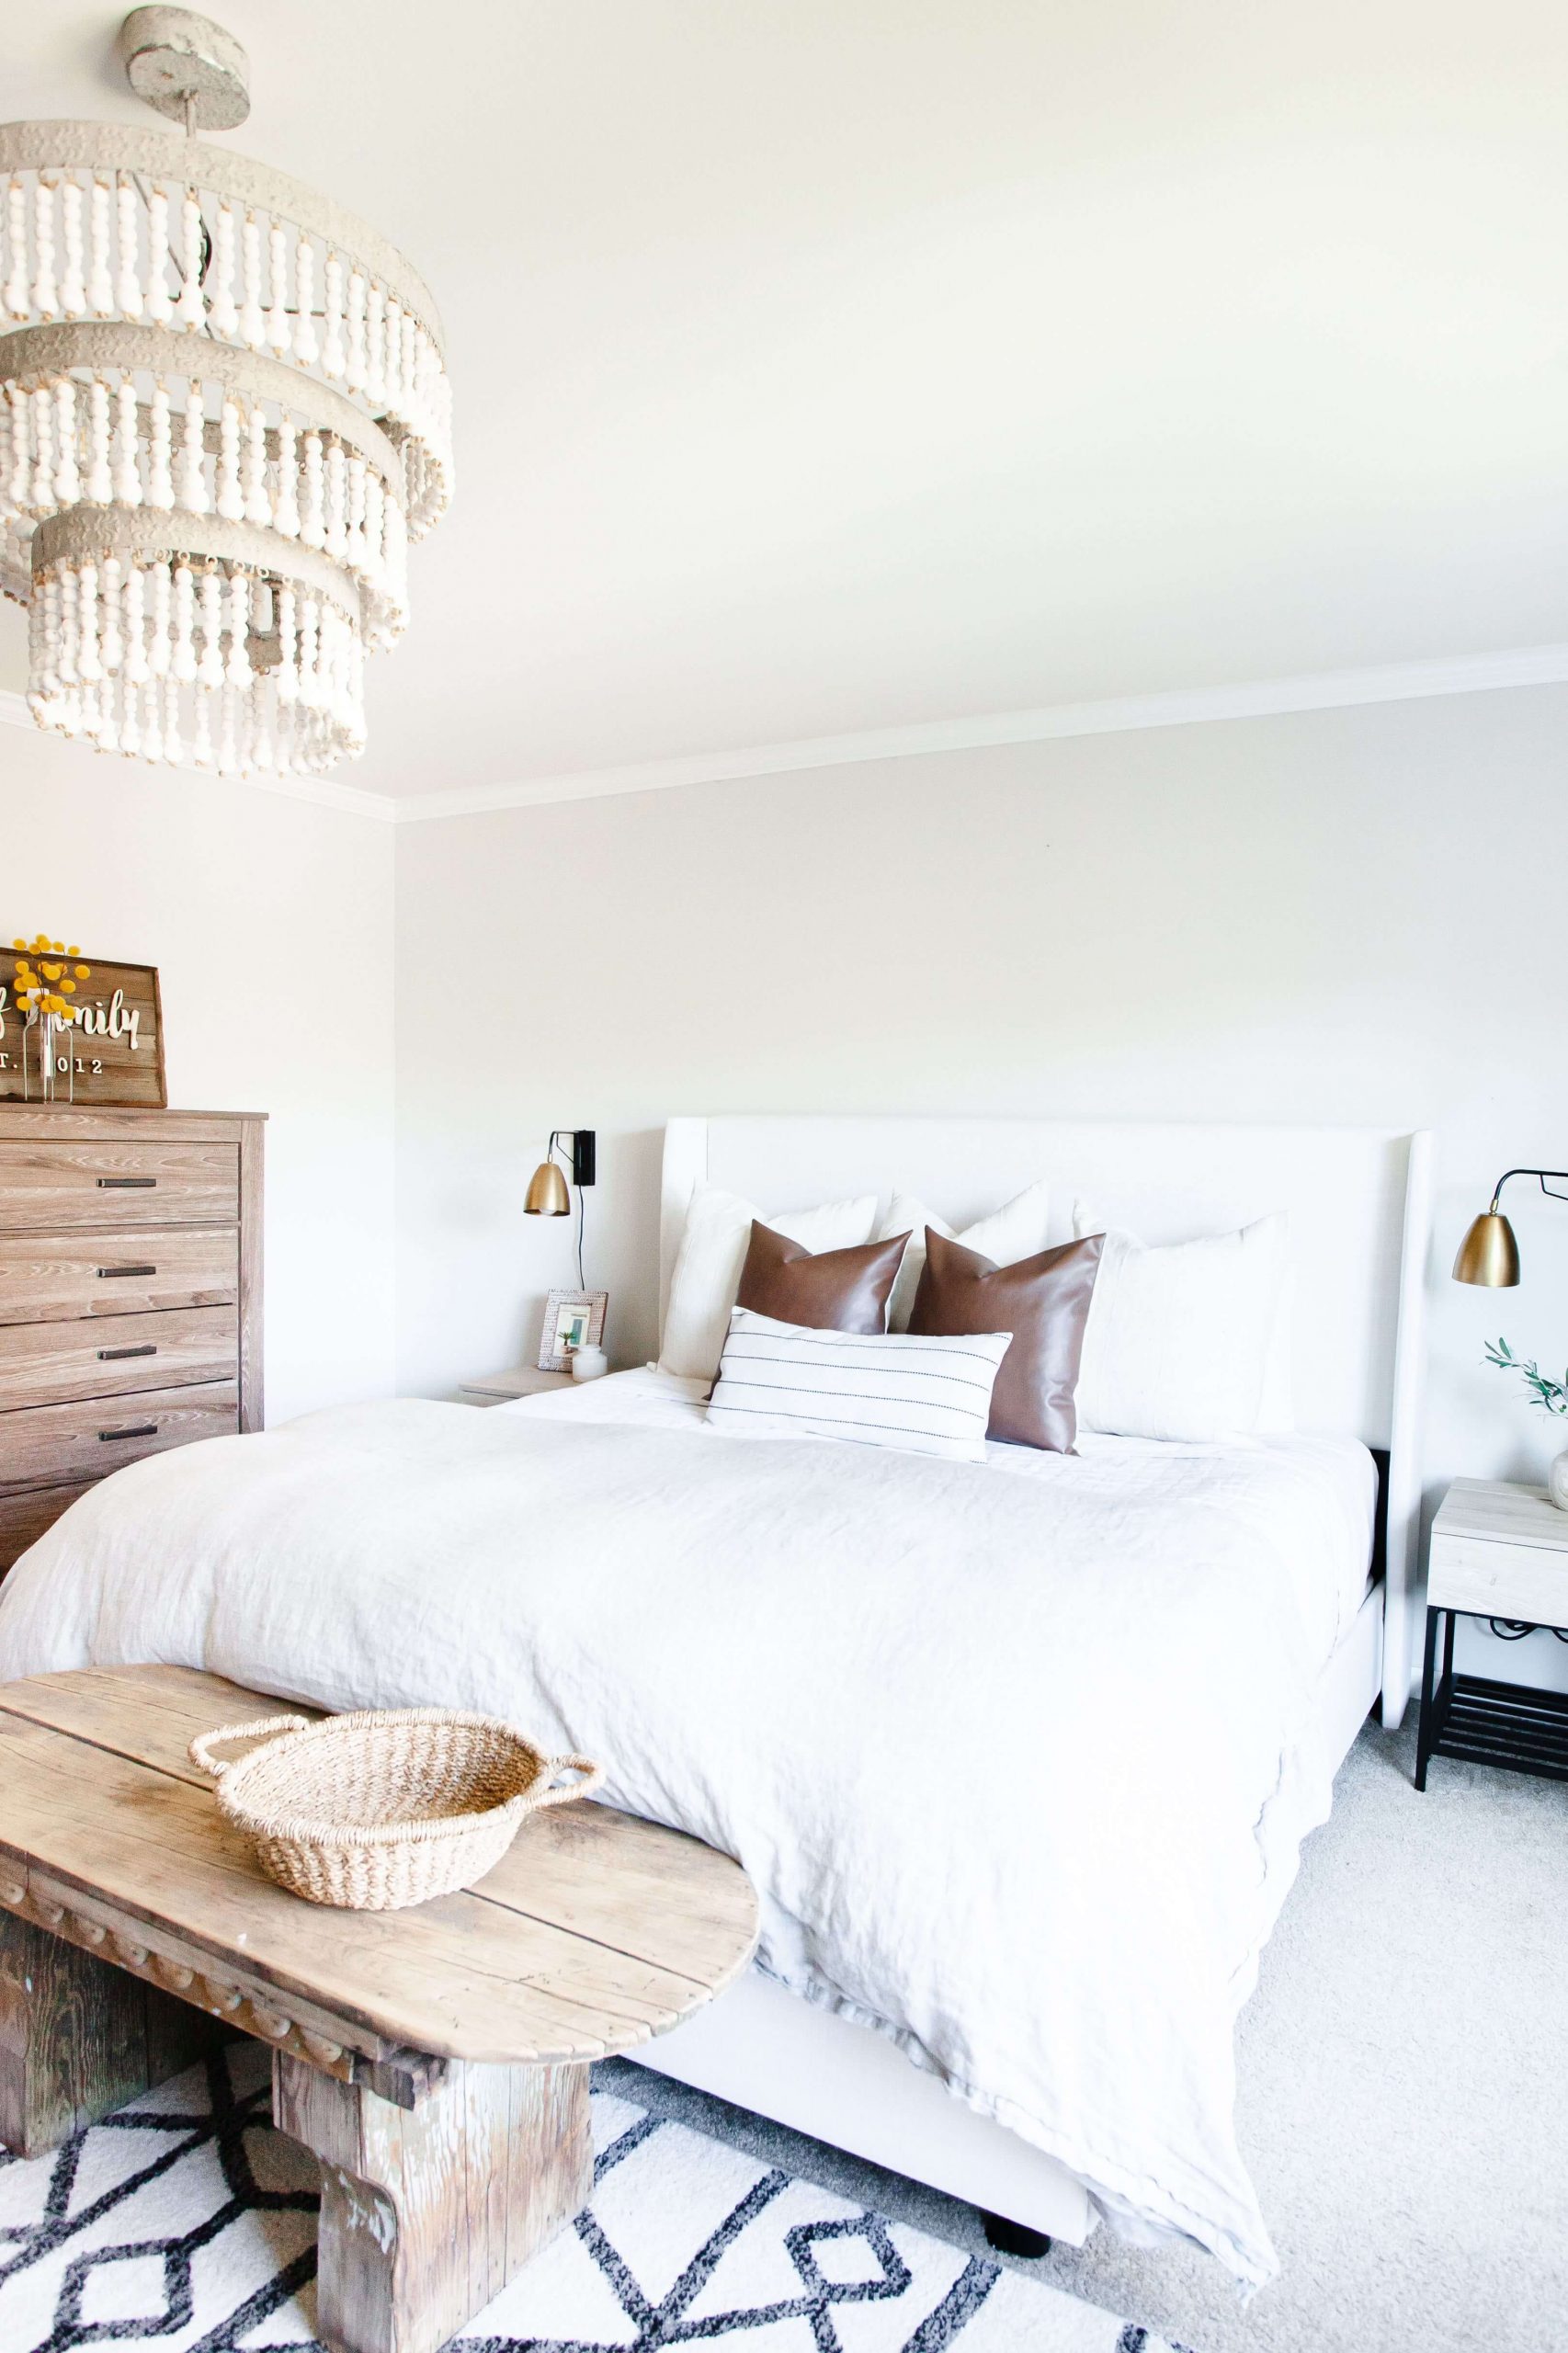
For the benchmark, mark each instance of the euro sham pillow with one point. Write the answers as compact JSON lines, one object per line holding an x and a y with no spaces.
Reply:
{"x":1181,"y":1335}
{"x":1043,"y":1302}
{"x":712,"y":1253}
{"x":916,"y":1395}
{"x":1018,"y":1230}
{"x":836,"y":1291}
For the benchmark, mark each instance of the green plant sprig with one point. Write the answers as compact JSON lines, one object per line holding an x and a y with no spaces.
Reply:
{"x":1551,"y":1395}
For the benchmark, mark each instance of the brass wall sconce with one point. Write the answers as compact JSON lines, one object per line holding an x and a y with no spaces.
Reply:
{"x":1488,"y":1255}
{"x":548,"y":1196}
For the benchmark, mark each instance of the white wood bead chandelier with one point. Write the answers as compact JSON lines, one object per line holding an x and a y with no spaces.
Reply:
{"x":223,"y":414}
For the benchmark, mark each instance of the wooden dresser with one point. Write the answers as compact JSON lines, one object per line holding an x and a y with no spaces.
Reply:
{"x":129,"y":1295}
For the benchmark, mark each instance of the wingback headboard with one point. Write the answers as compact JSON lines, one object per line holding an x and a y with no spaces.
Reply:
{"x":1359,"y":1202}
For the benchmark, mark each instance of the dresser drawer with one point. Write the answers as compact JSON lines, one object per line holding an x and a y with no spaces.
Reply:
{"x":46,"y":1277}
{"x":46,"y":1444}
{"x":50,"y":1364}
{"x":106,"y":1181}
{"x":23,"y":1518}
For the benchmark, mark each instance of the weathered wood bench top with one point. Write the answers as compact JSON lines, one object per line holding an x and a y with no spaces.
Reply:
{"x":436,"y":2060}
{"x":594,"y":1931}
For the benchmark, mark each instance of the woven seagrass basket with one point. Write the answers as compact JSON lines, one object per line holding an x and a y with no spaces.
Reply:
{"x":386,"y":1807}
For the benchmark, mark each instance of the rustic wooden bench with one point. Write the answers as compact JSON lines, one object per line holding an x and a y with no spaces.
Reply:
{"x":436,"y":2060}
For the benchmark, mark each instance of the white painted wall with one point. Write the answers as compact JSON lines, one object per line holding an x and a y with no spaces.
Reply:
{"x":270,"y":922}
{"x":1348,"y":916}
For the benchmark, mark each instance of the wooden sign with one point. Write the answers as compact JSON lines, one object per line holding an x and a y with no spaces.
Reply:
{"x":113,"y":1054}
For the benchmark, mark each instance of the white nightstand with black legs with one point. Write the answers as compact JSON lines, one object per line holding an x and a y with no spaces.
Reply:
{"x":1498,"y":1551}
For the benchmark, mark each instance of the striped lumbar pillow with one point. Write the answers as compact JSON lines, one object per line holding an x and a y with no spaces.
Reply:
{"x":922,"y":1395}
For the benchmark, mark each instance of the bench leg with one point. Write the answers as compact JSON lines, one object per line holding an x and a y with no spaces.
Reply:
{"x":427,"y":2212}
{"x":79,"y":2037}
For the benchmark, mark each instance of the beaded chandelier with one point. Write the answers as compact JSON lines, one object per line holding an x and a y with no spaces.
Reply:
{"x":223,"y":414}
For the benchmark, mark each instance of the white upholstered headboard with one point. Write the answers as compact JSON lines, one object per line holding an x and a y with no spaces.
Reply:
{"x":1359,"y":1201}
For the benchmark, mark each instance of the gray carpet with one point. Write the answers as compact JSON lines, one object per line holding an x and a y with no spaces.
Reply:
{"x":1403,"y":2098}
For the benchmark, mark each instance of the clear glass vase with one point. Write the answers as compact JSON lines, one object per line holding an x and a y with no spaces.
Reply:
{"x":43,"y":1079}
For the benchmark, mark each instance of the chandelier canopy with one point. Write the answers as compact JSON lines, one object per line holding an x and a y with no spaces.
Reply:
{"x":224,"y":413}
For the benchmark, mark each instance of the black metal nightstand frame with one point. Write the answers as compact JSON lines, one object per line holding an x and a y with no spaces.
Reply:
{"x":1469,"y":1716}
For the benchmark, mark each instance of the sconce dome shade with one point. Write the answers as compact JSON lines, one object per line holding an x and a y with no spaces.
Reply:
{"x":547,"y":1195}
{"x":1489,"y":1254}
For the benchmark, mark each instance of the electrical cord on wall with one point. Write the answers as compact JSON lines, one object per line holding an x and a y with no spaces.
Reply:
{"x":582,"y":1219}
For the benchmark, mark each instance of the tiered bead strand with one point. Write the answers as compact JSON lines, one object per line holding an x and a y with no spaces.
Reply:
{"x":105,"y":664}
{"x":86,"y":438}
{"x":81,"y":245}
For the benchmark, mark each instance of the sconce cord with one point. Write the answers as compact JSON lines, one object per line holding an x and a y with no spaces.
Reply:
{"x":555,"y":1145}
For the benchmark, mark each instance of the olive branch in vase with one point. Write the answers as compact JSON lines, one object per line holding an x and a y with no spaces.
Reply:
{"x":1551,"y":1395}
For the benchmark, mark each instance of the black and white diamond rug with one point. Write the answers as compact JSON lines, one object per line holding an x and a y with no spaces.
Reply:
{"x":185,"y":2224}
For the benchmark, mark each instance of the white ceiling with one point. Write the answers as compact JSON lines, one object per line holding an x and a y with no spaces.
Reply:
{"x":828,"y":365}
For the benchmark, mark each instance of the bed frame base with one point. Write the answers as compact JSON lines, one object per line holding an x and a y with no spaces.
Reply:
{"x":1013,"y":2238}
{"x":767,"y":2050}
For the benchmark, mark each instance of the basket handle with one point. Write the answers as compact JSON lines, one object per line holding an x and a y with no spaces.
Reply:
{"x":592,"y":1776}
{"x":199,"y":1751}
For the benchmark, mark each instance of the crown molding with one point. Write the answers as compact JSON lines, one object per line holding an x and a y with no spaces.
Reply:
{"x":352,"y":799}
{"x":1525,"y":665}
{"x":1529,"y":666}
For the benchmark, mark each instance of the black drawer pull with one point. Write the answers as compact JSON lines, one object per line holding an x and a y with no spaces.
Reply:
{"x":108,"y":1274}
{"x":112,"y":1356}
{"x":125,"y":1183}
{"x":143,"y":1429}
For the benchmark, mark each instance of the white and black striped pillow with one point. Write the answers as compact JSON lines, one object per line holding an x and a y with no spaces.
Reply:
{"x":921,"y":1394}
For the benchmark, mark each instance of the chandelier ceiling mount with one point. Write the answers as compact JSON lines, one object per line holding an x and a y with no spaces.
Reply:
{"x":187,"y":67}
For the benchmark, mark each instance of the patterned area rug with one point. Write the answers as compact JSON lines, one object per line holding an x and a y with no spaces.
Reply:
{"x":185,"y":2222}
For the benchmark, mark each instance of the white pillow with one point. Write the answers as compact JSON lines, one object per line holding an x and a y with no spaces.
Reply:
{"x":918,"y":1394}
{"x":1178,"y":1339}
{"x":1277,"y":1403}
{"x":1015,"y":1230}
{"x":712,"y":1252}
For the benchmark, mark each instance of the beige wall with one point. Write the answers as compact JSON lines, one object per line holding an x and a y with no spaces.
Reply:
{"x":270,"y":922}
{"x":1344,"y":916}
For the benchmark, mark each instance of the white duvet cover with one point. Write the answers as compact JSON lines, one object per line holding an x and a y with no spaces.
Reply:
{"x":1007,"y":1748}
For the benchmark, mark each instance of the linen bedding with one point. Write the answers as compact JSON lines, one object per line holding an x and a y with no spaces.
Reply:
{"x":1008,"y":1749}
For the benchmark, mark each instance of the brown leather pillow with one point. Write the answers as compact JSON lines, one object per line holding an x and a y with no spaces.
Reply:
{"x":1044,"y":1303}
{"x":835,"y":1290}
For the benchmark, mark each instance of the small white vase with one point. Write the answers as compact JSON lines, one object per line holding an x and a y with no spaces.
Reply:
{"x":1557,"y":1481}
{"x":589,"y":1363}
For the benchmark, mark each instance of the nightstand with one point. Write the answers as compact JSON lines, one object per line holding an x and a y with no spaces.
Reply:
{"x":523,"y":1380}
{"x":1498,"y":1551}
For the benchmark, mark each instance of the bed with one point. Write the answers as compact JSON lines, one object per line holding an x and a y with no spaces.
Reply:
{"x":1020,"y":1754}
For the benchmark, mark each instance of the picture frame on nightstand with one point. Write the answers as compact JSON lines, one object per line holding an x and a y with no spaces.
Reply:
{"x":572,"y":1319}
